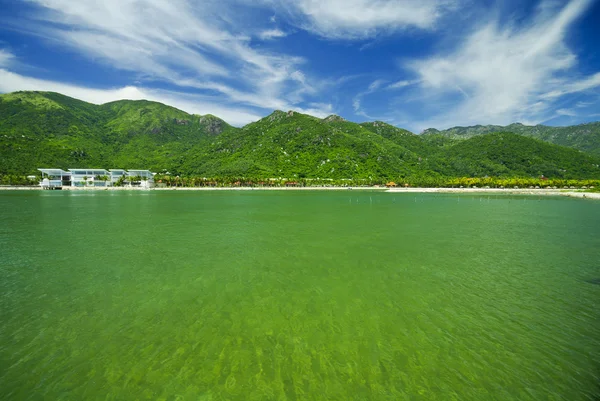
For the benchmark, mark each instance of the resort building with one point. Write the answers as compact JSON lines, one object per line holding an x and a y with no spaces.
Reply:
{"x":53,"y":178}
{"x":140,"y":178}
{"x":117,"y":176}
{"x":89,"y":177}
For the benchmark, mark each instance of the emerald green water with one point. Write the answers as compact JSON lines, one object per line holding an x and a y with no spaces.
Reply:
{"x":248,"y":295}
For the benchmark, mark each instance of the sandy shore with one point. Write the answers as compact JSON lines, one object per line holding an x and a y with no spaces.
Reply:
{"x":17,"y":188}
{"x":498,"y":191}
{"x":495,"y":191}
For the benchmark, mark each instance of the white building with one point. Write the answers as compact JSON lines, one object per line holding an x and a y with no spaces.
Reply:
{"x":89,"y":177}
{"x":53,"y":178}
{"x":117,"y":175}
{"x":141,"y":178}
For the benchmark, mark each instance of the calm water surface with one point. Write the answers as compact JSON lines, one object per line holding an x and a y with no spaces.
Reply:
{"x":298,"y":296}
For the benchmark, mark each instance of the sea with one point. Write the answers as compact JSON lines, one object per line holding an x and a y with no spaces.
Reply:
{"x":298,"y":295}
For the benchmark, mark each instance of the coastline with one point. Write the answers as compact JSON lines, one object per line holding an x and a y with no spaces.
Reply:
{"x":37,"y":188}
{"x":499,"y":191}
{"x":495,"y":191}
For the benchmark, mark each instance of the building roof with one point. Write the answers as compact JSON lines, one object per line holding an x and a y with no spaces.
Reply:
{"x":54,"y":171}
{"x":91,"y":171}
{"x":87,"y":169}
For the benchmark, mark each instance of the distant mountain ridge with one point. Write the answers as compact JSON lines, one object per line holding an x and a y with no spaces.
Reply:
{"x":585,"y":137}
{"x":46,"y":129}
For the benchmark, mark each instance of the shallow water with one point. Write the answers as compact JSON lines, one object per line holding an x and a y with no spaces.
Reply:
{"x":249,"y":295}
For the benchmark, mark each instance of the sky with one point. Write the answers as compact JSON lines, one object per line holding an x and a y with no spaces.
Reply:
{"x":415,"y":64}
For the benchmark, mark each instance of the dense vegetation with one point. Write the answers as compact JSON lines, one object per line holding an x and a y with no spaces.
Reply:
{"x":48,"y":129}
{"x":42,"y":129}
{"x":585,"y":137}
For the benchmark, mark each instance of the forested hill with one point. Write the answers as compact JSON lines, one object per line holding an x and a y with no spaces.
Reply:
{"x":43,"y":129}
{"x":585,"y":137}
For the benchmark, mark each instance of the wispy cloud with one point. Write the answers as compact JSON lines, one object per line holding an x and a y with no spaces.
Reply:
{"x":581,"y":85}
{"x":231,"y":57}
{"x":357,"y":100}
{"x":360,"y":19}
{"x":501,"y":74}
{"x":566,"y":112}
{"x":402,"y":84}
{"x":270,"y":34}
{"x":584,"y":104}
{"x":6,"y":58}
{"x":179,"y":42}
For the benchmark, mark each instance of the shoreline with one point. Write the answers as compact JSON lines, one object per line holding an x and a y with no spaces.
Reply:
{"x":574,"y":193}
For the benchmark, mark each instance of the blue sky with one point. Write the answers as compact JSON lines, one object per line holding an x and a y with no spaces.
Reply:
{"x":412,"y":63}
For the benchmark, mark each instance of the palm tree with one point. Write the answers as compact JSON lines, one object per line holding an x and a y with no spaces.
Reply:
{"x":103,"y":178}
{"x":131,"y":180}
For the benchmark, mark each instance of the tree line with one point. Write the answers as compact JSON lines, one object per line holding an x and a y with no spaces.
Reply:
{"x":167,"y":180}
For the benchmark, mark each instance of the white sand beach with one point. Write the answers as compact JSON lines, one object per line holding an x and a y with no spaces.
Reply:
{"x":498,"y":191}
{"x":492,"y":191}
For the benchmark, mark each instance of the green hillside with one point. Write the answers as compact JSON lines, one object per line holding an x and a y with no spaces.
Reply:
{"x":508,"y":154}
{"x":43,"y":129}
{"x":48,"y":129}
{"x":298,"y":145}
{"x":585,"y":137}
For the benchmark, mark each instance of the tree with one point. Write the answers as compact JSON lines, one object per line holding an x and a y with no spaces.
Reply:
{"x":103,"y":178}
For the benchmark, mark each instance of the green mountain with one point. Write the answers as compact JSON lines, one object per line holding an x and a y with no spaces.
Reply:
{"x":298,"y":145}
{"x":585,"y":137}
{"x":43,"y":129}
{"x":508,"y":154}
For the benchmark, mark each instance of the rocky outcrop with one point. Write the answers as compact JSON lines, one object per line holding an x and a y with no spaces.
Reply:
{"x":333,"y":118}
{"x":212,"y":125}
{"x":276,"y":115}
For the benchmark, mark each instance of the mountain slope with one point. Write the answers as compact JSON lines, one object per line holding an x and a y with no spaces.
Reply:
{"x":43,"y":129}
{"x":298,"y":145}
{"x":585,"y":137}
{"x":40,"y":129}
{"x":508,"y":154}
{"x":402,"y":137}
{"x":49,"y":129}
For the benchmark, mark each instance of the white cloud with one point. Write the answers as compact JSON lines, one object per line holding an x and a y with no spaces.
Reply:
{"x":357,"y":100}
{"x":566,"y":112}
{"x":402,"y":84}
{"x":499,"y":74}
{"x":575,"y":86}
{"x":270,"y":34}
{"x":196,"y":104}
{"x":180,"y":42}
{"x":359,"y":19}
{"x":375,"y":85}
{"x":6,"y":58}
